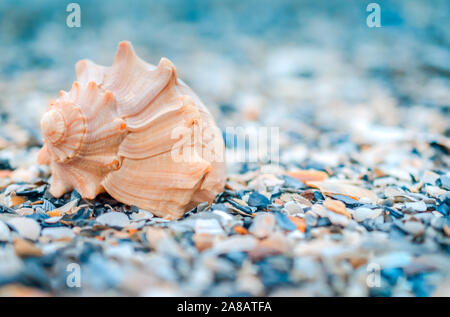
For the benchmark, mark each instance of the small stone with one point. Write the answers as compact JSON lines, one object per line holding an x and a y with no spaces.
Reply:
{"x":226,"y":220}
{"x":444,"y":182}
{"x":435,"y":191}
{"x":16,"y":200}
{"x":240,"y":230}
{"x":141,"y":215}
{"x":25,"y":248}
{"x":5,"y":233}
{"x":203,"y":240}
{"x":69,"y":208}
{"x":293,"y":208}
{"x":240,"y":207}
{"x":311,"y":220}
{"x":284,"y":222}
{"x":337,"y":219}
{"x":339,"y":187}
{"x":319,"y":210}
{"x":305,"y":268}
{"x":208,"y":226}
{"x":236,"y":244}
{"x":337,"y":206}
{"x":418,"y":206}
{"x":58,"y":233}
{"x":362,"y":213}
{"x":25,"y":211}
{"x":393,"y":259}
{"x":350,"y":202}
{"x":54,"y":213}
{"x":414,"y":227}
{"x":113,"y":219}
{"x":447,"y":230}
{"x":299,"y":222}
{"x":293,"y":183}
{"x":263,"y":224}
{"x":53,"y":219}
{"x":26,"y":227}
{"x":308,"y":175}
{"x":438,"y":223}
{"x":47,"y":205}
{"x":257,"y":200}
{"x":276,"y":243}
{"x":395,"y":213}
{"x":430,"y":177}
{"x":155,"y":235}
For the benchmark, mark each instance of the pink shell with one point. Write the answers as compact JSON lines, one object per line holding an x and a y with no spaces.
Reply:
{"x":137,"y":132}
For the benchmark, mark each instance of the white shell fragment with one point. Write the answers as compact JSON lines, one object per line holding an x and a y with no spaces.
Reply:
{"x":5,"y":233}
{"x":58,"y":233}
{"x":113,"y":219}
{"x":26,"y":227}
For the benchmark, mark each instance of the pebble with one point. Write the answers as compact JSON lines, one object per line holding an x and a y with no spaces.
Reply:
{"x":319,"y":210}
{"x":203,"y":240}
{"x":68,"y":208}
{"x":291,"y":182}
{"x":284,"y":222}
{"x":58,"y":233}
{"x":257,"y":200}
{"x":350,"y":202}
{"x":418,"y":206}
{"x":141,"y":215}
{"x":446,"y":229}
{"x":293,"y":208}
{"x":155,"y":235}
{"x":337,"y":219}
{"x":393,"y":259}
{"x":343,"y":188}
{"x":308,"y":175}
{"x":113,"y":219}
{"x":430,"y":177}
{"x":337,"y":207}
{"x":361,"y":214}
{"x":235,"y":244}
{"x":444,"y":182}
{"x":26,"y":227}
{"x":263,"y":224}
{"x":5,"y":234}
{"x":25,"y":248}
{"x":25,"y":211}
{"x":208,"y":226}
{"x":414,"y":227}
{"x":226,"y":220}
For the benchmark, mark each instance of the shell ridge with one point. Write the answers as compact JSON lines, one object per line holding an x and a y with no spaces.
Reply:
{"x":130,"y":107}
{"x":159,"y":138}
{"x":87,"y":71}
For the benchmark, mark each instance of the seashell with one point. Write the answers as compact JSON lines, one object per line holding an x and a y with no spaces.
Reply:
{"x":135,"y":131}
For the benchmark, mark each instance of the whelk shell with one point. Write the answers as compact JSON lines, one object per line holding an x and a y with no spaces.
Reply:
{"x":135,"y":131}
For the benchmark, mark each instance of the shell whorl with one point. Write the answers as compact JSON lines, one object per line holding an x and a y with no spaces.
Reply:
{"x":53,"y":126}
{"x":82,"y":132}
{"x":113,"y":131}
{"x":63,"y":129}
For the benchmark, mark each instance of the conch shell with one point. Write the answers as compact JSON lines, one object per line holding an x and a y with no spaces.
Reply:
{"x":135,"y":131}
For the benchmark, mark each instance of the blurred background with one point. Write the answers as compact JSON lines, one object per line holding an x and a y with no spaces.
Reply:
{"x":370,"y":106}
{"x":308,"y":67}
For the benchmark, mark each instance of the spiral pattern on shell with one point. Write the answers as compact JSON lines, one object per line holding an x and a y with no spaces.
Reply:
{"x":117,"y":130}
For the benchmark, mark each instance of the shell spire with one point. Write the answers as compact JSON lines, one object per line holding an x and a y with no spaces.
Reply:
{"x":135,"y":131}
